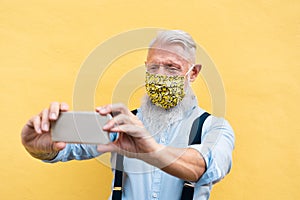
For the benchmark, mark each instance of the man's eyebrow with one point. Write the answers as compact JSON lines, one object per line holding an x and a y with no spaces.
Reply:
{"x":165,"y":61}
{"x":171,"y":62}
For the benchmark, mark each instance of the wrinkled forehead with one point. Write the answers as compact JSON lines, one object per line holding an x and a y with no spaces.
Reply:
{"x":168,"y":52}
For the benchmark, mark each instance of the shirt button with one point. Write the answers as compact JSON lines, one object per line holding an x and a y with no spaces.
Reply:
{"x":163,"y":139}
{"x":154,"y":195}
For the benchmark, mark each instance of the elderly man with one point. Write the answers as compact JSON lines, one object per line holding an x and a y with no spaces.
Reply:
{"x":159,"y":158}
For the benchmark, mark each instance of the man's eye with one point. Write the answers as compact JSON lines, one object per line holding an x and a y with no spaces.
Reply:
{"x":172,"y":67}
{"x":154,"y":66}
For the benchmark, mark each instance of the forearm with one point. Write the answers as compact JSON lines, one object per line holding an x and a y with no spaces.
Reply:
{"x":75,"y":152}
{"x":184,"y":163}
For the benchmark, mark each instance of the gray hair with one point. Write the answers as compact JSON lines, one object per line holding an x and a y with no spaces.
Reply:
{"x":177,"y":37}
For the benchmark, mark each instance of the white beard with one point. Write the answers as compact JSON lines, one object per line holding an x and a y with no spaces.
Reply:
{"x":157,"y":119}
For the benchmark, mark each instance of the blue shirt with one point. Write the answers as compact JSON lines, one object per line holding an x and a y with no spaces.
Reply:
{"x":143,"y":181}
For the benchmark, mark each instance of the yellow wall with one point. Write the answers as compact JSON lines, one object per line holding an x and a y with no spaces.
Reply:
{"x":254,"y":44}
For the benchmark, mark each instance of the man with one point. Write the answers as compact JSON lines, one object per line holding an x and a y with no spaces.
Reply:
{"x":155,"y":141}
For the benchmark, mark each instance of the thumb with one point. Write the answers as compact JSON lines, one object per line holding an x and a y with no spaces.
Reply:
{"x":103,"y":148}
{"x":58,"y":146}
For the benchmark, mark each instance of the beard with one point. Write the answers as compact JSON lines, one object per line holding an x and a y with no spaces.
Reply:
{"x":157,"y":119}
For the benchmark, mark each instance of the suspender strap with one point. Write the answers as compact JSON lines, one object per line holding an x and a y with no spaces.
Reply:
{"x":134,"y":111}
{"x":196,"y":131}
{"x":195,"y":138}
{"x":117,"y":190}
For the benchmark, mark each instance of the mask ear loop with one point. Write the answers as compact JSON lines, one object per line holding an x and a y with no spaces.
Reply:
{"x":187,"y":73}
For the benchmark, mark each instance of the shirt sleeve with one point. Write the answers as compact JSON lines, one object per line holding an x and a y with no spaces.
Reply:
{"x":76,"y":152}
{"x":216,"y":148}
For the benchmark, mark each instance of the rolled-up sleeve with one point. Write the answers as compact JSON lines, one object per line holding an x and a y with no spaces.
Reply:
{"x":216,"y":148}
{"x":76,"y":152}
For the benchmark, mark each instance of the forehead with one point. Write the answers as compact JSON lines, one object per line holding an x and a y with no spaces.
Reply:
{"x":170,"y":53}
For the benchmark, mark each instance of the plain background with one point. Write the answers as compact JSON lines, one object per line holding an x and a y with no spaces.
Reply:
{"x":254,"y":44}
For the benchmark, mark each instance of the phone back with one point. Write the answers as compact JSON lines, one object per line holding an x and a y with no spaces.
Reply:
{"x":80,"y":127}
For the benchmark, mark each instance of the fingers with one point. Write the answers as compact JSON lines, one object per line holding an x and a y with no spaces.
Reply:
{"x":54,"y":110}
{"x":41,"y":122}
{"x":114,"y":109}
{"x":45,"y":120}
{"x":116,"y":121}
{"x":36,"y":122}
{"x":121,"y":115}
{"x":124,"y":121}
{"x":64,"y":107}
{"x":52,"y":114}
{"x":131,"y":130}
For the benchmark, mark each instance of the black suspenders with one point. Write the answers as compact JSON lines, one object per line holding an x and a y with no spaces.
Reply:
{"x":117,"y":189}
{"x":188,"y":188}
{"x":195,"y":138}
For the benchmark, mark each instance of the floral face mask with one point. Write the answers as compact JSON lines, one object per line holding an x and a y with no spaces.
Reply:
{"x":165,"y":91}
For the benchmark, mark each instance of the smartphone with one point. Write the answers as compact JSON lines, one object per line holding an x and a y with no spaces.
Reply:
{"x":81,"y":127}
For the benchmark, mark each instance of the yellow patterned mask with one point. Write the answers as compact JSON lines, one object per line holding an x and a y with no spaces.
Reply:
{"x":165,"y":91}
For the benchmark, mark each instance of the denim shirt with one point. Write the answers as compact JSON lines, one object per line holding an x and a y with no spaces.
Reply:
{"x":143,"y":181}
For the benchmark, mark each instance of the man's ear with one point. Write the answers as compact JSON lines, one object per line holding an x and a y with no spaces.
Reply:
{"x":195,"y":72}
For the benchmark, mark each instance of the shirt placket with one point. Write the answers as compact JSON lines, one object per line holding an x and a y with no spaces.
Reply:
{"x":156,"y":184}
{"x":157,"y":174}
